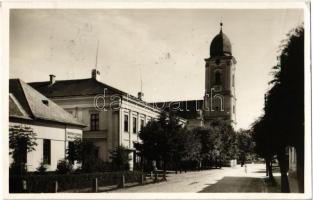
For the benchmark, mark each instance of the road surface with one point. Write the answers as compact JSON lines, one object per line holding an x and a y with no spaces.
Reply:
{"x":215,"y":180}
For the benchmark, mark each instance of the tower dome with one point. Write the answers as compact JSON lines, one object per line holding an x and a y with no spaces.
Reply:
{"x":220,"y":45}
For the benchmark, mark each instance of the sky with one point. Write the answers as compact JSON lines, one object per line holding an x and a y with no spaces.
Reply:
{"x":165,"y":48}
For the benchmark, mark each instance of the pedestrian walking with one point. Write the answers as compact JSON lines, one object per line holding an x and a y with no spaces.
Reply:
{"x":246,"y":169}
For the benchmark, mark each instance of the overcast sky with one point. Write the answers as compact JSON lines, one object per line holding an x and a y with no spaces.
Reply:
{"x":167,"y":46}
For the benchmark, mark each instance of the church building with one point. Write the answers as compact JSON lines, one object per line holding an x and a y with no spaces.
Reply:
{"x":220,"y":97}
{"x":219,"y":100}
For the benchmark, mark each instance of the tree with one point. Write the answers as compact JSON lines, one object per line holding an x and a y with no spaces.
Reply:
{"x":85,"y":153}
{"x":210,"y":145}
{"x":120,"y":159}
{"x":285,"y":95}
{"x":218,"y":143}
{"x":187,"y":150}
{"x":22,"y":140}
{"x":228,"y":140}
{"x":245,"y":145}
{"x":160,"y":139}
{"x":264,"y":145}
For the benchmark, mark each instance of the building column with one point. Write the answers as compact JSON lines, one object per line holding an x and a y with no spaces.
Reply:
{"x":120,"y":127}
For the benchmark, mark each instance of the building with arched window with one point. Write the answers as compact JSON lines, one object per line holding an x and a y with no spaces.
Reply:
{"x":219,"y":100}
{"x":220,"y":81}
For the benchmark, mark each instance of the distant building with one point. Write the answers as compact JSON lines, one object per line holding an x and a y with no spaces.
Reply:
{"x":113,"y":117}
{"x":54,"y":127}
{"x":219,"y":100}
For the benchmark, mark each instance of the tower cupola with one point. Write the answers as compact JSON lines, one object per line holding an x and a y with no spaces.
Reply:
{"x":220,"y":45}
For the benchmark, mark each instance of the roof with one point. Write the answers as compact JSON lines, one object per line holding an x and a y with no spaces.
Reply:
{"x":189,"y":109}
{"x":76,"y":87}
{"x":16,"y":109}
{"x":28,"y":103}
{"x":220,"y":45}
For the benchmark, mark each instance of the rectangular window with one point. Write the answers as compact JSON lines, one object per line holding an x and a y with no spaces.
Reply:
{"x":47,"y":151}
{"x":233,"y":81}
{"x":142,"y":124}
{"x":71,"y":152}
{"x":96,"y":152}
{"x":94,"y":122}
{"x":126,"y":124}
{"x":233,"y":109}
{"x":134,"y":125}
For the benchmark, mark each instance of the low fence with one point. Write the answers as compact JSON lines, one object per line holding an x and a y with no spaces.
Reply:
{"x":51,"y":183}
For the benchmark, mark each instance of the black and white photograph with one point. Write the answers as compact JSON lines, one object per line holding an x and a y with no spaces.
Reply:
{"x":195,"y":100}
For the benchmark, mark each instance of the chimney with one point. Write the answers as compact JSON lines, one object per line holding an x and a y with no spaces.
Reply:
{"x":52,"y":79}
{"x":140,"y":95}
{"x":95,"y":74}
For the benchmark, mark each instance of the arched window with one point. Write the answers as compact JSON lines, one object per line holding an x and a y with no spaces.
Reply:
{"x":217,"y":103}
{"x":217,"y":77}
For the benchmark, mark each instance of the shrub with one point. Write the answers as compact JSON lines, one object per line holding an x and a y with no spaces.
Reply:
{"x":64,"y":167}
{"x":120,"y":159}
{"x":42,"y":167}
{"x":101,"y":166}
{"x":22,"y":140}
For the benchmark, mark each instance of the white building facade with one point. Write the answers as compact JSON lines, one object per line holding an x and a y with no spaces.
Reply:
{"x":53,"y":126}
{"x":113,"y":118}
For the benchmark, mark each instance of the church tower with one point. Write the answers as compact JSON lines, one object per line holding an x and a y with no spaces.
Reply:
{"x":220,"y":97}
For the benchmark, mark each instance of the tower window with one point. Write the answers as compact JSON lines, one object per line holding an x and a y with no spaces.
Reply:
{"x":217,"y":77}
{"x":233,"y":81}
{"x":233,"y":109}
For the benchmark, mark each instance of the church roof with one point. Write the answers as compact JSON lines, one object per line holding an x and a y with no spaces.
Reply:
{"x":189,"y":109}
{"x":28,"y":103}
{"x":220,"y":45}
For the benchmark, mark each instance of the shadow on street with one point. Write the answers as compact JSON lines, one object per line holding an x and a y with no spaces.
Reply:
{"x":236,"y":184}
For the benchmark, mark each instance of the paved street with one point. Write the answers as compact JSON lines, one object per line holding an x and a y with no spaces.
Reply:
{"x":215,"y":180}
